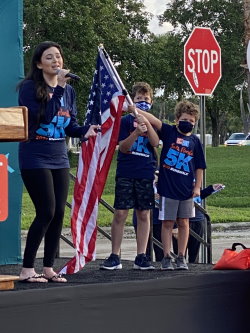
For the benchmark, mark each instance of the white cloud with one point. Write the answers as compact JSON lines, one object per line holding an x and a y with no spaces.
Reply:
{"x":157,"y":7}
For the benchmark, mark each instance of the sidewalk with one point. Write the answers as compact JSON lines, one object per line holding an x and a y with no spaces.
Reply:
{"x":223,"y":236}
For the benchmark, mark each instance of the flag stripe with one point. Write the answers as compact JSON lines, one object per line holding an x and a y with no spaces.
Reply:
{"x":104,"y":107}
{"x":83,"y":186}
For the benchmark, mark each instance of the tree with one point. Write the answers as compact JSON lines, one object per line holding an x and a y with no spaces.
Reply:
{"x":224,"y":17}
{"x":79,"y":26}
{"x":166,"y":65}
{"x":246,"y":115}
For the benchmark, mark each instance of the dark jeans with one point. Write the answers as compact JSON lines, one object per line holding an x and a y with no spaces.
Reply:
{"x":48,"y":190}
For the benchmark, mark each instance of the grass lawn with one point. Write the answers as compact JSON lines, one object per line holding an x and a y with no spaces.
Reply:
{"x":227,"y":165}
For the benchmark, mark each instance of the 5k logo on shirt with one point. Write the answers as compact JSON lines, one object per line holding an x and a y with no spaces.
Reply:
{"x":140,"y":145}
{"x":178,"y":159}
{"x":55,"y":129}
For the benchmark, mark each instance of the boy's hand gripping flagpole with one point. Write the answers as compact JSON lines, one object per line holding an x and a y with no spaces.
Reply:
{"x":124,"y":90}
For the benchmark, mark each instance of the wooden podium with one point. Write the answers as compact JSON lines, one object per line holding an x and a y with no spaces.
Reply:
{"x":14,"y":124}
{"x":13,"y":127}
{"x":7,"y":281}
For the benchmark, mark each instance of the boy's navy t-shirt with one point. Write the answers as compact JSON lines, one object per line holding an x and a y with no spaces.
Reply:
{"x":181,"y":155}
{"x":140,"y":162}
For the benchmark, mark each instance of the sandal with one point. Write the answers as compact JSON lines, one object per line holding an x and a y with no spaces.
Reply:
{"x":56,"y":278}
{"x":34,"y":278}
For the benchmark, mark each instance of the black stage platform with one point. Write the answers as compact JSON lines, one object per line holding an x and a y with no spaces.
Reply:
{"x":200,"y":300}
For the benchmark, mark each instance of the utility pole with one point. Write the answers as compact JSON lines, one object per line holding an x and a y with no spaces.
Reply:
{"x":246,"y":117}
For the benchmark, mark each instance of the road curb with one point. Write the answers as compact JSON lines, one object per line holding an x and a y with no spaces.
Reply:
{"x":129,"y":230}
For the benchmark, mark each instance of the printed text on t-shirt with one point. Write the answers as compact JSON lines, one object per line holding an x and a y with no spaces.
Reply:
{"x":179,"y":157}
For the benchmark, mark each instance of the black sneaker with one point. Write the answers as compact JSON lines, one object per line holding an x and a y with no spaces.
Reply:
{"x":112,"y":262}
{"x":142,"y":262}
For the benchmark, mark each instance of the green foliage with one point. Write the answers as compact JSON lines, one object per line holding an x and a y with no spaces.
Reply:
{"x":225,"y":215}
{"x":230,"y":166}
{"x":225,"y":18}
{"x":166,"y":64}
{"x":122,"y":26}
{"x":80,"y":26}
{"x":227,"y":165}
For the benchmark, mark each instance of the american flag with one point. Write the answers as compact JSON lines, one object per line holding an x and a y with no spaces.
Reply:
{"x":104,"y":107}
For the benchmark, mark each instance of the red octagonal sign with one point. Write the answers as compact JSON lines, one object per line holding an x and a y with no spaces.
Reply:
{"x":202,"y":61}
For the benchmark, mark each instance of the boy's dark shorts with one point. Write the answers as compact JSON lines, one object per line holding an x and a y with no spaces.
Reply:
{"x":134,"y":193}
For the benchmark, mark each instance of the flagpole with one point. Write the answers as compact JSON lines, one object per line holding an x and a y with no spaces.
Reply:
{"x":124,"y":90}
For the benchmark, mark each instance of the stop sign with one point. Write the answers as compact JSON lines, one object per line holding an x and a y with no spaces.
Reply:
{"x":202,"y":61}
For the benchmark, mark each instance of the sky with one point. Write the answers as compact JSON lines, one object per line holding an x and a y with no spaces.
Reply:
{"x":157,"y":7}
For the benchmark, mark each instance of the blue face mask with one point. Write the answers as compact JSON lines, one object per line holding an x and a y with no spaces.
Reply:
{"x":185,"y":126}
{"x":144,"y":106}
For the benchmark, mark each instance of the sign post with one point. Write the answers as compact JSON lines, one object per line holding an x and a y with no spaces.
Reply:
{"x":202,"y":69}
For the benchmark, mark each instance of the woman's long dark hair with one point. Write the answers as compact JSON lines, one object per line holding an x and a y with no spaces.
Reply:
{"x":36,"y":74}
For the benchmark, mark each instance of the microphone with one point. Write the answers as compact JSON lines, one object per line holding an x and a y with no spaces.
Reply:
{"x":72,"y":76}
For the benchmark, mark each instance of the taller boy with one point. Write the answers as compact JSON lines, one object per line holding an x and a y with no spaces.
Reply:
{"x":136,"y":163}
{"x":180,"y":176}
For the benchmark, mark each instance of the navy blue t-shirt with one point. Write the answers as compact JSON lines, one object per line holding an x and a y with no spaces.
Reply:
{"x":181,"y":155}
{"x":140,"y":162}
{"x":46,"y":147}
